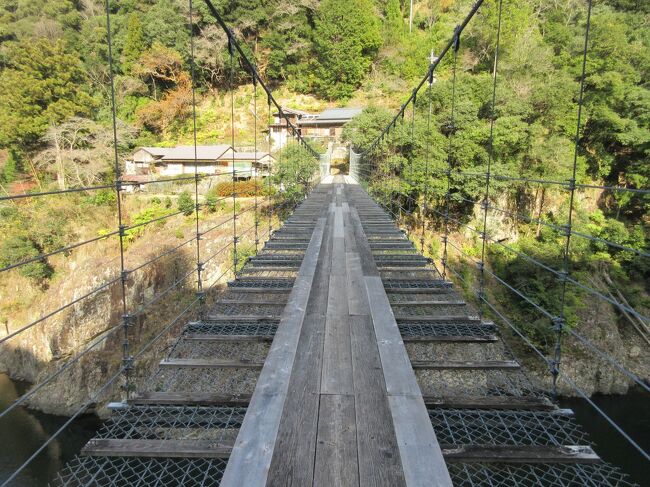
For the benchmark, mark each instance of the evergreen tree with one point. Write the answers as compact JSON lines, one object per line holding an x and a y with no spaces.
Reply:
{"x":393,"y":23}
{"x":346,"y":40}
{"x":134,"y":44}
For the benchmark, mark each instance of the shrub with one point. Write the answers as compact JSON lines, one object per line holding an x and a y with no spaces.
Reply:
{"x":185,"y":203}
{"x":243,"y":189}
{"x":104,"y":197}
{"x":17,"y":249}
{"x":168,"y":202}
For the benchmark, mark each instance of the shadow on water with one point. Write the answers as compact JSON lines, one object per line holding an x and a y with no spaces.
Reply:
{"x":24,"y":431}
{"x":632,"y":413}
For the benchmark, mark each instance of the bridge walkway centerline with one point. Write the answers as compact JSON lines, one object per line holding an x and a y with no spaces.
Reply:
{"x":353,"y":413}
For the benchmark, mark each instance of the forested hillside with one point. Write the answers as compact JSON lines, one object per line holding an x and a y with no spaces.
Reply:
{"x":55,"y":110}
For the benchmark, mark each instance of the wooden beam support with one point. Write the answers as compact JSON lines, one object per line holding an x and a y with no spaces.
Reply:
{"x":490,"y":402}
{"x":109,"y":447}
{"x":520,"y":454}
{"x":464,"y":364}
{"x":196,"y":363}
{"x":210,"y":337}
{"x":450,"y":338}
{"x":191,"y":398}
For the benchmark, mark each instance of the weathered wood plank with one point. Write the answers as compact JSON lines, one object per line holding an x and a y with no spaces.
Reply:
{"x":210,"y":363}
{"x":421,"y":454}
{"x":336,"y":451}
{"x":379,"y":461}
{"x":194,"y":398}
{"x":449,"y":338}
{"x":490,"y":402}
{"x":520,"y":454}
{"x":336,"y":375}
{"x":465,"y":364}
{"x":252,"y":454}
{"x":157,"y":448}
{"x":205,"y":337}
{"x":292,"y":462}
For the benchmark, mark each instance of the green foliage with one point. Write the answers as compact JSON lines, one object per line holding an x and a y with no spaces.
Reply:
{"x":134,"y":44}
{"x":142,"y":220}
{"x":12,"y":167}
{"x":41,"y":84}
{"x":346,"y":40}
{"x":394,"y":23}
{"x":185,"y":203}
{"x":244,"y":251}
{"x":294,"y":174}
{"x":19,"y":249}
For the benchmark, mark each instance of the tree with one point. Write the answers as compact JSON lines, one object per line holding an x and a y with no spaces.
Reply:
{"x":346,"y":40}
{"x":185,"y":203}
{"x":134,"y":44}
{"x":394,"y":24}
{"x":81,"y":150}
{"x":162,"y":66}
{"x":42,"y":85}
{"x":294,"y":174}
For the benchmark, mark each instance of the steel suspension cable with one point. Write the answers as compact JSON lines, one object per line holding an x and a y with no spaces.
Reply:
{"x":486,"y":198}
{"x":231,"y":86}
{"x":126,"y":318}
{"x":199,"y":266}
{"x":257,"y":216}
{"x":427,"y":152}
{"x":560,"y":322}
{"x":452,"y":129}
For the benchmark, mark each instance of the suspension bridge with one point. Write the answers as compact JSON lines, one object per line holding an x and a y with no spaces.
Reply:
{"x":338,"y":354}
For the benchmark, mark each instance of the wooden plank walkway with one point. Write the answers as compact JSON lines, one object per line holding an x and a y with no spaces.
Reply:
{"x":337,"y":402}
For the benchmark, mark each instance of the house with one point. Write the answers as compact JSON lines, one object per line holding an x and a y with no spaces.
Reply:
{"x":326,"y":125}
{"x":252,"y":164}
{"x":153,"y":162}
{"x":143,"y":159}
{"x":279,"y":129}
{"x":208,"y":159}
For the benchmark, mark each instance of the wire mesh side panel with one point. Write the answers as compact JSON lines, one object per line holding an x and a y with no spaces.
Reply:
{"x":537,"y":475}
{"x":138,"y":471}
{"x":355,"y":161}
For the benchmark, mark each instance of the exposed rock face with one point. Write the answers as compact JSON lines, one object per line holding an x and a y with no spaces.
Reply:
{"x":586,"y":368}
{"x":94,"y":320}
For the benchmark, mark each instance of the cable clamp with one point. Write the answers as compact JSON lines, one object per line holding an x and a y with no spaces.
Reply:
{"x":124,"y":275}
{"x":122,"y":230}
{"x":200,"y":295}
{"x":443,"y":239}
{"x":127,"y":320}
{"x":554,"y":367}
{"x":235,"y":239}
{"x":565,"y":230}
{"x":562,"y":276}
{"x":558,"y":324}
{"x":128,"y":363}
{"x":480,"y":265}
{"x":456,"y":45}
{"x":572,"y":184}
{"x":118,"y":185}
{"x":200,"y":266}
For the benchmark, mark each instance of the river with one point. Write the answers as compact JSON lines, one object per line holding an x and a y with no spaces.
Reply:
{"x":23,"y":431}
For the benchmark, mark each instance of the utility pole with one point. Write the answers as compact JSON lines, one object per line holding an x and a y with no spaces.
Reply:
{"x":411,"y":17}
